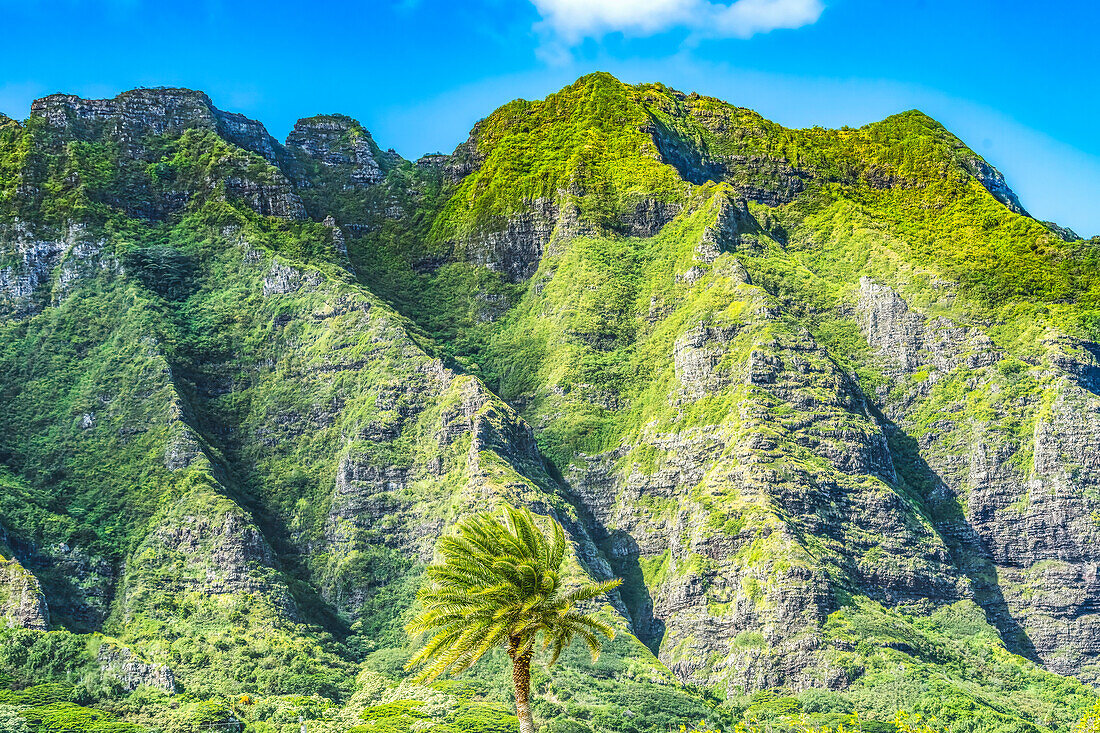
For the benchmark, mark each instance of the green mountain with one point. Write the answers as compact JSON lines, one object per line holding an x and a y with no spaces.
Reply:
{"x":827,"y":400}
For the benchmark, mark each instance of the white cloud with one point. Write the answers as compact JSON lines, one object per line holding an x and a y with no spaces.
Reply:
{"x":570,"y":21}
{"x":573,"y":20}
{"x":746,"y":18}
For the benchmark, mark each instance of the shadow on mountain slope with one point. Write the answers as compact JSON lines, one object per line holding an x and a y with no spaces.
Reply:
{"x":969,"y":551}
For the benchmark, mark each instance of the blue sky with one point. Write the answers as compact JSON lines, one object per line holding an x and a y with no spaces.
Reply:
{"x":1019,"y":82}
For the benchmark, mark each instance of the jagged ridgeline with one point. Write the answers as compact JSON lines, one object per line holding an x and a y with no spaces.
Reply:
{"x":826,"y":400}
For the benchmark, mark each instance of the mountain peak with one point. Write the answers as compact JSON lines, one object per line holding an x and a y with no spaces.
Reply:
{"x":339,"y":142}
{"x":986,"y":174}
{"x":152,"y":111}
{"x":161,"y":108}
{"x":598,"y":79}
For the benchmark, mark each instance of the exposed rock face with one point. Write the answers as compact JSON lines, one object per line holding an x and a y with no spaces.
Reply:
{"x":183,"y":447}
{"x":22,"y":602}
{"x":744,"y":487}
{"x":433,"y":161}
{"x":911,"y":342}
{"x":207,"y":544}
{"x":21,"y":280}
{"x":28,"y":261}
{"x":248,"y":134}
{"x":341,"y":144}
{"x":994,"y":182}
{"x":1064,"y":233}
{"x":733,"y":227}
{"x":133,"y":672}
{"x":698,"y":356}
{"x":135,"y":114}
{"x":767,"y":180}
{"x":517,"y":248}
{"x":496,"y":429}
{"x":339,"y":243}
{"x":1034,"y":521}
{"x":283,"y":279}
{"x":466,"y":158}
{"x":132,"y":118}
{"x":40,"y":268}
{"x":1039,"y":524}
{"x":1078,"y":359}
{"x":516,"y":245}
{"x":650,"y":216}
{"x":276,"y":198}
{"x":84,"y":260}
{"x":370,"y":503}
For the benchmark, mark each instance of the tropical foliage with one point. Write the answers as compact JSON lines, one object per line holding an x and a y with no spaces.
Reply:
{"x":500,"y":582}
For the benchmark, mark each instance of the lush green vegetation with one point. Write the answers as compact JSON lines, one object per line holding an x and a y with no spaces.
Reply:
{"x":231,"y":452}
{"x":584,"y":146}
{"x":501,"y":583}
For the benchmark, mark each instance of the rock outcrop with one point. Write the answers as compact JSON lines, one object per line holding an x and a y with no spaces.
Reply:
{"x":734,"y":228}
{"x":132,"y":120}
{"x":911,"y":342}
{"x":516,"y":248}
{"x":30,"y":259}
{"x":207,"y":545}
{"x":22,"y":602}
{"x":769,"y":180}
{"x":132,"y":116}
{"x":284,"y":279}
{"x":994,"y":182}
{"x":1027,"y":497}
{"x":133,"y":672}
{"x":343,"y":146}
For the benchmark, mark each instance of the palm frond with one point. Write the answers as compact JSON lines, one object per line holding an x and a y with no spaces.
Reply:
{"x":557,"y":547}
{"x":588,"y":592}
{"x":595,"y":646}
{"x":591,"y":623}
{"x":558,"y":644}
{"x":498,"y":583}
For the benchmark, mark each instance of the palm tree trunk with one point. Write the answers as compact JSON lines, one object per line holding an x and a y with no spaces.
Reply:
{"x":521,"y":678}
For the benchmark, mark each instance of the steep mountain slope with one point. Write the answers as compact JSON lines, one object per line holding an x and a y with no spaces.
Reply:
{"x":827,"y":400}
{"x":744,"y":359}
{"x":249,"y":453}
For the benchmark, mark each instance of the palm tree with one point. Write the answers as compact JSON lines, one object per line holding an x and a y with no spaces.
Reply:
{"x":499,"y":584}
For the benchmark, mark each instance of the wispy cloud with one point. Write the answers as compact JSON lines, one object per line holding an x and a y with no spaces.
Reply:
{"x":568,"y":22}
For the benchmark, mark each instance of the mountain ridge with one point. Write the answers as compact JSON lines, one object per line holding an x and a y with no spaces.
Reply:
{"x":128,"y":103}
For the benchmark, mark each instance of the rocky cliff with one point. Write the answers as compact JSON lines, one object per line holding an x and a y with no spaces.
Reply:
{"x":21,"y":599}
